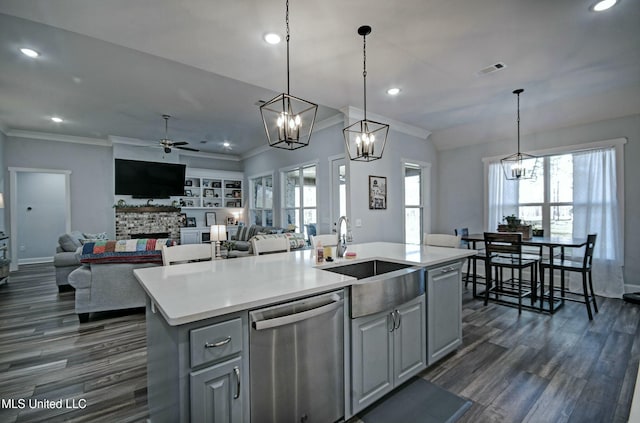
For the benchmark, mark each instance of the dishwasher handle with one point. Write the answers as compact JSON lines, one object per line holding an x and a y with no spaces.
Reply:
{"x":296,"y":317}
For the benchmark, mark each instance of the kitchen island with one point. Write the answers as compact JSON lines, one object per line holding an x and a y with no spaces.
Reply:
{"x":208,"y":303}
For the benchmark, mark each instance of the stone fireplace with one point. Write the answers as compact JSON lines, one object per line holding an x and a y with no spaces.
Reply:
{"x":148,"y":222}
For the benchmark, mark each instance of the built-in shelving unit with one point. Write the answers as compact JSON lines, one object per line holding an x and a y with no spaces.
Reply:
{"x":213,"y":190}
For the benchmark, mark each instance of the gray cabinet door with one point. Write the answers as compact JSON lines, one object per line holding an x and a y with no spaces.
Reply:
{"x":371,"y":359}
{"x":444,"y":309}
{"x":216,"y":393}
{"x":410,"y":351}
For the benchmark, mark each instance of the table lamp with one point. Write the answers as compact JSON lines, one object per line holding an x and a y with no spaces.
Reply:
{"x":218,"y":233}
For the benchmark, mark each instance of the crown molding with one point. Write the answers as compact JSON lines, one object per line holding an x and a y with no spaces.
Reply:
{"x":355,"y":114}
{"x":336,"y":119}
{"x":256,"y":151}
{"x":58,"y":137}
{"x":202,"y":154}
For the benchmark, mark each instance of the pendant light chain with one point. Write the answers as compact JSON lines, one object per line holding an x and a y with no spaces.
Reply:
{"x":518,"y":123}
{"x":287,"y":22}
{"x":364,"y":72}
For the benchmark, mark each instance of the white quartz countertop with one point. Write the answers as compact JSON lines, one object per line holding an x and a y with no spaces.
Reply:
{"x":190,"y":292}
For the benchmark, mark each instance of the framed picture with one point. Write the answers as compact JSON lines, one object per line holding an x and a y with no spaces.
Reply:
{"x":188,"y":183}
{"x":231,"y":220}
{"x":187,"y":192}
{"x":191,"y":222}
{"x":210,"y":218}
{"x":208,"y":192}
{"x":183,"y":219}
{"x":377,"y":192}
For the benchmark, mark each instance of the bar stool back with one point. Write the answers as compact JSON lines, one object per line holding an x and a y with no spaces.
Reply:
{"x":583,"y":267}
{"x":472,"y":261}
{"x":504,"y":250}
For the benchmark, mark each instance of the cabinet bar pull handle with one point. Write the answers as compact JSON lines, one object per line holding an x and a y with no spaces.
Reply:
{"x":218,"y":344}
{"x":399,"y":320}
{"x":393,"y":321}
{"x":236,"y":370}
{"x":447,"y":269}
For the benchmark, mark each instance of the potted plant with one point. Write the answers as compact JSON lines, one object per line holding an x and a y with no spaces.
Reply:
{"x":512,"y":221}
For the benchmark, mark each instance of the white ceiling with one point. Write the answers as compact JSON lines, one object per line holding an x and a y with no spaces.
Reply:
{"x":114,"y":67}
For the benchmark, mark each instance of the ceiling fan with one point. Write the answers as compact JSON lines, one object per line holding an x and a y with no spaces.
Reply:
{"x":167,"y":144}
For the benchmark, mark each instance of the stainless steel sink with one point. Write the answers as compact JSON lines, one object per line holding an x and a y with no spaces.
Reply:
{"x":381,"y":285}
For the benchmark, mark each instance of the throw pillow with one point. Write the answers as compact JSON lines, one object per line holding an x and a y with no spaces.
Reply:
{"x":69,"y":242}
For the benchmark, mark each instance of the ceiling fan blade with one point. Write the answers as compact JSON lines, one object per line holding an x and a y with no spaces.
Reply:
{"x":187,"y":148}
{"x":179,"y":143}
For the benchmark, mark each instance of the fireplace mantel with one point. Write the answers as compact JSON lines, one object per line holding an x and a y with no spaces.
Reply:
{"x":147,"y":209}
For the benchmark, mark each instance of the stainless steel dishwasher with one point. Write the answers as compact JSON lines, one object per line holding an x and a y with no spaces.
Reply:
{"x":296,"y":361}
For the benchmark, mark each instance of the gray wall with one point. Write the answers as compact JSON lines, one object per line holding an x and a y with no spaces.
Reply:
{"x":91,"y":167}
{"x":91,"y":177}
{"x":461,"y":174}
{"x":387,"y":225}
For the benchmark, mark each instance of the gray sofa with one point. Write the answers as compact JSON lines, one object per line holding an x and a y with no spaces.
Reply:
{"x":67,"y":257}
{"x":241,"y":240}
{"x":105,"y":279}
{"x":107,"y":286}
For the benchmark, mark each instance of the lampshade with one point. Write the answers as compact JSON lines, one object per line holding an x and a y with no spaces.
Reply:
{"x":218,"y":233}
{"x":365,"y":139}
{"x":288,"y":120}
{"x":520,"y":165}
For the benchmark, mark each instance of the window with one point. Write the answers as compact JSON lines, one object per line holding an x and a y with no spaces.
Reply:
{"x":575,"y":194}
{"x":261,"y":201}
{"x":300,"y":198}
{"x":547,"y":201}
{"x":412,"y":204}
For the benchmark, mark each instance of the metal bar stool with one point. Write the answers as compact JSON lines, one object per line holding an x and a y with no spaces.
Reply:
{"x":583,"y":267}
{"x":504,"y":250}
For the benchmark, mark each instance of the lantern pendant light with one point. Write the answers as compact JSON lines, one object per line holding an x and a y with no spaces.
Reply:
{"x":520,"y":165}
{"x":288,"y":120}
{"x":365,"y":139}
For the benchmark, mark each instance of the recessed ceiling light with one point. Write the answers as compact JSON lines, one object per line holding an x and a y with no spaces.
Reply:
{"x":272,"y":38}
{"x":29,"y":52}
{"x":603,"y":5}
{"x":393,"y":91}
{"x":56,"y":119}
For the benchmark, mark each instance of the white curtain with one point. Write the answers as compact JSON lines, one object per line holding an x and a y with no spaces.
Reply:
{"x":596,"y":210}
{"x":502,"y":197}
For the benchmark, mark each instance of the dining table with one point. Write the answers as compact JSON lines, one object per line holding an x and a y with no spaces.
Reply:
{"x":552,"y":243}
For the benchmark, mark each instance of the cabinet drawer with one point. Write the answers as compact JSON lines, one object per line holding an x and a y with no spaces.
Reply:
{"x":215,"y":342}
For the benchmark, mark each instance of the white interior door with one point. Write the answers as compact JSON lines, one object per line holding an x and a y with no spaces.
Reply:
{"x":39,"y":214}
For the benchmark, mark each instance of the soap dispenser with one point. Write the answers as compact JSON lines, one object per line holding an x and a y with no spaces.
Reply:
{"x":319,"y":253}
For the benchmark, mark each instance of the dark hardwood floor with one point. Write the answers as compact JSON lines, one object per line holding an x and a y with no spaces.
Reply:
{"x":532,"y":367}
{"x":46,"y":354}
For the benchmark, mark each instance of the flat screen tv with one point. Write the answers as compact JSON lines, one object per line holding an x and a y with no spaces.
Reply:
{"x":148,"y":179}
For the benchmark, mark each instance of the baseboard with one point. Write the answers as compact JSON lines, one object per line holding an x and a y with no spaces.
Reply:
{"x":631,"y":288}
{"x":35,"y":260}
